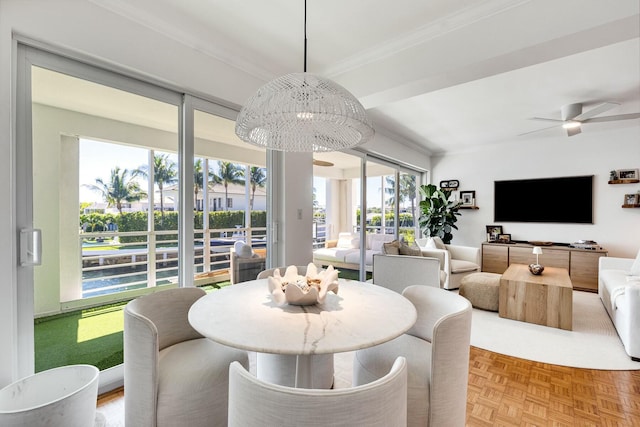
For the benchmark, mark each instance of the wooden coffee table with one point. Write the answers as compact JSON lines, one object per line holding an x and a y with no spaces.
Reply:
{"x":546,"y":299}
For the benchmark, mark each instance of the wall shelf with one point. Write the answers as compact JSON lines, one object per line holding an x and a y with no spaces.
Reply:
{"x":469,"y":207}
{"x":624,"y":181}
{"x":631,"y":206}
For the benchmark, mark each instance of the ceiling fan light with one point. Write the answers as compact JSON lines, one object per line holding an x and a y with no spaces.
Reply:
{"x":571,"y":125}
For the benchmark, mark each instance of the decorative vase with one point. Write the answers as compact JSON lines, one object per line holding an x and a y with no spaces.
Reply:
{"x":303,"y":290}
{"x":536,"y":269}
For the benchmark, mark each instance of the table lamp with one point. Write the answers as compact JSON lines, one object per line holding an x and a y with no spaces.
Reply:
{"x":536,"y":268}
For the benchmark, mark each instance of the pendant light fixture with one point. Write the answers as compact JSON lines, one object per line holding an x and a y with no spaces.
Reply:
{"x":303,"y":112}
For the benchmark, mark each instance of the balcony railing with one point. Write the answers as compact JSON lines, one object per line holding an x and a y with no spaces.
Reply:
{"x":119,"y":261}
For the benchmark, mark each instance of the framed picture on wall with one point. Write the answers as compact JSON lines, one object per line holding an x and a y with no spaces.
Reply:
{"x":468,"y":199}
{"x":493,"y":231}
{"x":628,"y":174}
{"x":632,"y":199}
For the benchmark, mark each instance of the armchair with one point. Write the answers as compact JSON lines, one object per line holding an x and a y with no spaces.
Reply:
{"x":456,"y":261}
{"x":173,"y":375}
{"x":245,"y":263}
{"x":437,"y":353}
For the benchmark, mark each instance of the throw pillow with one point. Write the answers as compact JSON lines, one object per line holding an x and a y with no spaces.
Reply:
{"x":376,"y":245}
{"x":355,"y":243}
{"x":439,"y":243}
{"x":409,"y":250}
{"x":344,"y":241}
{"x":391,"y":248}
{"x":635,"y":268}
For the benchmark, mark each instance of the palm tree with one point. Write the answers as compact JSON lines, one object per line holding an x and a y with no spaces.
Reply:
{"x":119,"y":188}
{"x":164,"y":172}
{"x":407,"y":189}
{"x":228,"y":173}
{"x":197,"y":181}
{"x":258,"y":178}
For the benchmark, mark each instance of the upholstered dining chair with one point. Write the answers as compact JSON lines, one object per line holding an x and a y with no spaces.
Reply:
{"x":396,"y":272}
{"x":382,"y":403}
{"x":173,"y":376}
{"x":437,"y":353}
{"x":270,"y":366}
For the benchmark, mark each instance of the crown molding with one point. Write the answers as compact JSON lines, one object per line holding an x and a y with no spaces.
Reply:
{"x":427,"y":32}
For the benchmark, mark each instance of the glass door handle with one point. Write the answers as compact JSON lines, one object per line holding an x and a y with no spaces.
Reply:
{"x":30,"y":247}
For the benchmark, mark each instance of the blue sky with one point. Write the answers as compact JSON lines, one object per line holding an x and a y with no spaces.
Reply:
{"x":98,"y":158}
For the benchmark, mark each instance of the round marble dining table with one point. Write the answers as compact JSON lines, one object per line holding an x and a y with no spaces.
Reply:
{"x":360,"y":315}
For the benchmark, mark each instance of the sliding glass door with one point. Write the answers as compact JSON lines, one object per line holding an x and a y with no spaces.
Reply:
{"x":229,"y":194}
{"x":100,"y":156}
{"x":354,"y":192}
{"x":125,"y":186}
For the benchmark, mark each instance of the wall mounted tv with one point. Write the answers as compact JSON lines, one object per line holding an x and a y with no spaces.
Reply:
{"x":559,"y":200}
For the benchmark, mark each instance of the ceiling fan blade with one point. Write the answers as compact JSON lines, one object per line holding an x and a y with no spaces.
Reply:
{"x":574,"y":131}
{"x":613,"y":118}
{"x":540,"y":130}
{"x":570,"y":111}
{"x":605,"y":106}
{"x":544,"y":119}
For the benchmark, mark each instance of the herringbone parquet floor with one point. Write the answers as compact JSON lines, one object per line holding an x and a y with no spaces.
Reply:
{"x":507,"y":391}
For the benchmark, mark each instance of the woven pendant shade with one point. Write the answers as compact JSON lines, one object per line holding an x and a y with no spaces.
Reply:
{"x":303,"y":112}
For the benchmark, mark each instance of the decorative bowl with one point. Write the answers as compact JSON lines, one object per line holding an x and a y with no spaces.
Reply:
{"x":310,"y":289}
{"x":536,"y":269}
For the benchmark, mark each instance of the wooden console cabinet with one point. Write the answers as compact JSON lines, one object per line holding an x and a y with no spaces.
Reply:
{"x":582,"y":264}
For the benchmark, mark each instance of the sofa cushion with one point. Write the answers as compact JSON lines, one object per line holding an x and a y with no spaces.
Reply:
{"x":460,"y":266}
{"x":334,"y":254}
{"x":615,"y":282}
{"x":354,"y":257}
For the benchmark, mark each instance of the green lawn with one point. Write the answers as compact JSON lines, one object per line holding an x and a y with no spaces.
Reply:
{"x":92,"y":336}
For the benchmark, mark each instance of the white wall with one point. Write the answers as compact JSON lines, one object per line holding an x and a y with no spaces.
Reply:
{"x":590,"y":153}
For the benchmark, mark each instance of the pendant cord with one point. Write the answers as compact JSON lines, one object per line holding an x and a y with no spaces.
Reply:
{"x":305,"y":36}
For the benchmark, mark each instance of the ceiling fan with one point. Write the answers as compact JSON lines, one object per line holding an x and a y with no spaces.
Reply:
{"x":572,"y":117}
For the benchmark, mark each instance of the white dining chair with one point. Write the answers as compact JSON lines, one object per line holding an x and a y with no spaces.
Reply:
{"x":173,"y":376}
{"x":396,"y":272}
{"x":381,"y":403}
{"x":437,"y":353}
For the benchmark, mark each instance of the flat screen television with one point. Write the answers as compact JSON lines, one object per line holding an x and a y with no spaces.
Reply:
{"x":558,"y":200}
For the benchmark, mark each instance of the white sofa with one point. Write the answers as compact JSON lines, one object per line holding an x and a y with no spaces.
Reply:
{"x":345,"y":252}
{"x":456,"y":261}
{"x":621,"y":298}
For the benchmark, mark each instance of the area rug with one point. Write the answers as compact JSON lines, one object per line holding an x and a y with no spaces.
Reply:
{"x":593,"y":343}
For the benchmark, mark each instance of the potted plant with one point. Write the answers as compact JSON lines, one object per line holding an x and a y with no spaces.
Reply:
{"x":438,"y":214}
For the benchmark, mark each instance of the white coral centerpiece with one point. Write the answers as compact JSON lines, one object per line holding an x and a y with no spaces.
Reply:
{"x":309,"y":289}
